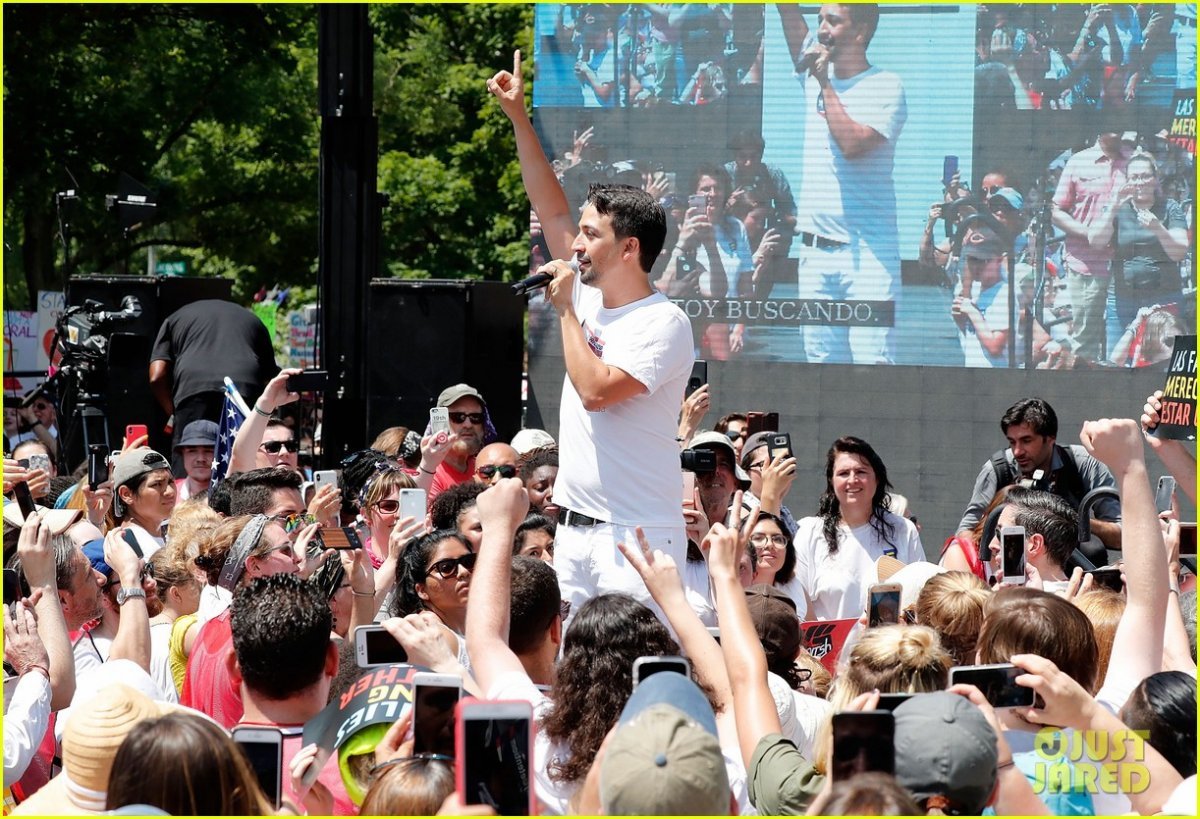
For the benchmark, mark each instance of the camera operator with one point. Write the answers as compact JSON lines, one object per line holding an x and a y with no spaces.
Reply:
{"x":35,"y":418}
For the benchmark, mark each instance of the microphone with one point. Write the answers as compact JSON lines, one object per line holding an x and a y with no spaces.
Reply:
{"x":806,"y":61}
{"x":539,"y":280}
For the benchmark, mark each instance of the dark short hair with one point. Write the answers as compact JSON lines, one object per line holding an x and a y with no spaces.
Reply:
{"x":1048,"y":515}
{"x":634,"y":214}
{"x":251,"y":493}
{"x":535,"y":603}
{"x":535,"y":459}
{"x":220,"y":496}
{"x":449,"y":505}
{"x":748,"y":138}
{"x":281,"y":627}
{"x":1035,"y":412}
{"x":722,"y":424}
{"x":865,"y":15}
{"x":533,"y":522}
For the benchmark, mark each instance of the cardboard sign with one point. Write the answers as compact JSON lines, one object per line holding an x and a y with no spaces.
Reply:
{"x":379,"y":695}
{"x":823,"y":639}
{"x":1179,"y":393}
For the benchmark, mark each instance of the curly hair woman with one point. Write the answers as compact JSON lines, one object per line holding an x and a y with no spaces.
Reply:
{"x":836,"y":550}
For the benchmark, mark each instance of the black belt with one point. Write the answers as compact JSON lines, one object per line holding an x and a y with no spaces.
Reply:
{"x":820,"y":242}
{"x":568,"y":518}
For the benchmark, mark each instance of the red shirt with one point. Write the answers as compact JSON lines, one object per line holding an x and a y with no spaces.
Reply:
{"x":447,"y":476}
{"x":208,"y":686}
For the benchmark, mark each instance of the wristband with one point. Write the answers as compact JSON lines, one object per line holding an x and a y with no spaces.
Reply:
{"x":1001,"y":766}
{"x":423,"y":469}
{"x":357,"y":593}
{"x":39,"y":667}
{"x":260,"y":412}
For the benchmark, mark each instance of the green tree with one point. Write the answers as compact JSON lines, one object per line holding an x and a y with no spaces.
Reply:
{"x":214,"y":108}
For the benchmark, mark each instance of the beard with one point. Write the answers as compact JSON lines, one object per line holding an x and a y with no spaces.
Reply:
{"x":468,"y":447}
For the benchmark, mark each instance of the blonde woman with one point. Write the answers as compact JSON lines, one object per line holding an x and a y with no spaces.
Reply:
{"x":952,"y":605}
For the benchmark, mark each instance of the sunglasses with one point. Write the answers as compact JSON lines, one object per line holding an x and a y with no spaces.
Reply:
{"x":295,"y":521}
{"x":990,"y":190}
{"x":476,"y":418}
{"x":388,"y":507}
{"x":505,"y":470}
{"x":275,"y":447}
{"x":448,"y":567}
{"x":147,"y":574}
{"x":564,"y":609}
{"x":734,"y":435}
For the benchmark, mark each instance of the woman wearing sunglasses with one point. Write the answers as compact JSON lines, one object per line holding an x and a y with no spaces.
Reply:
{"x":435,"y":576}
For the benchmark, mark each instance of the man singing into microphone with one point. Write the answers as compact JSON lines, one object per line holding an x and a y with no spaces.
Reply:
{"x":853,"y":114}
{"x":628,"y":354}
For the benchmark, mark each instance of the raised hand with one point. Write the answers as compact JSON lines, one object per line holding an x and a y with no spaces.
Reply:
{"x":509,"y":88}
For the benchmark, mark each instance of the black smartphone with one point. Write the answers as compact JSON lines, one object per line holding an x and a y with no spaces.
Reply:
{"x":12,"y":588}
{"x":97,"y":465}
{"x":779,"y":446}
{"x":949,"y":168}
{"x":996,"y":682}
{"x":863,"y":742}
{"x":494,"y":742}
{"x":129,"y":537}
{"x":24,"y":498}
{"x":699,"y":377}
{"x":308,"y":381}
{"x":1187,"y":541}
{"x":435,"y":696}
{"x":890,"y":702}
{"x":373,"y":645}
{"x":1107,"y":577}
{"x":340,"y":537}
{"x":264,"y":750}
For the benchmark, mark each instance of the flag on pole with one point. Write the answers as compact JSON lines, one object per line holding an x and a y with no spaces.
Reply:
{"x":233,"y":415}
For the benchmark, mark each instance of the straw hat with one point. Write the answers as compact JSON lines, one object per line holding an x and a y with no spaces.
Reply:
{"x":94,"y":732}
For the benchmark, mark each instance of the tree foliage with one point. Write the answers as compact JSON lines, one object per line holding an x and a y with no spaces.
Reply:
{"x":214,"y":108}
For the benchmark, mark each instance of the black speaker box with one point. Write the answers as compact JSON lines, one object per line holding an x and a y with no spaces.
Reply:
{"x":425,"y":335}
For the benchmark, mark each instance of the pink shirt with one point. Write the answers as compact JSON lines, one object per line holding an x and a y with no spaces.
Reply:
{"x":1089,"y":179}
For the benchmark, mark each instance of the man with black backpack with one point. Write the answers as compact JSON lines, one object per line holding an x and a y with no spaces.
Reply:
{"x":1034,"y":459}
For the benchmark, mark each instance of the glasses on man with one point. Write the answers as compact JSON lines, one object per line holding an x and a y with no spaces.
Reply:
{"x":505,"y":470}
{"x":115,"y":580}
{"x":295,"y":521}
{"x":475,"y":418}
{"x":275,"y":447}
{"x":761,"y":539}
{"x":758,"y":467}
{"x":991,"y":190}
{"x":448,"y":567}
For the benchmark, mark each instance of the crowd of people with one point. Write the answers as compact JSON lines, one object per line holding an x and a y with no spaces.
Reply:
{"x":147,"y":631}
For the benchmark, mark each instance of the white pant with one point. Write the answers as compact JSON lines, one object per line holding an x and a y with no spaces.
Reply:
{"x":849,"y":272}
{"x":589,"y":564}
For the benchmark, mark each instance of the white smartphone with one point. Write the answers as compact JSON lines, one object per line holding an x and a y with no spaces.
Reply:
{"x":439,"y":420}
{"x":1012,"y":555}
{"x":264,"y":749}
{"x":494,"y":743}
{"x":412,"y":504}
{"x":644,"y":667}
{"x":435,"y":696}
{"x":325,"y":477}
{"x":373,"y":646}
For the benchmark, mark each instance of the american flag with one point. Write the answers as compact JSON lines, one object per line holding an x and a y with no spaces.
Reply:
{"x":232,"y":418}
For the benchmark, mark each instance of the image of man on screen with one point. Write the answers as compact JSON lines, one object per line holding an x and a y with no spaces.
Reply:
{"x":853,"y":115}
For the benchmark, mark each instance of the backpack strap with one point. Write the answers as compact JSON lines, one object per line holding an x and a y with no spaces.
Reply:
{"x":1068,"y":481}
{"x":1003,"y":469}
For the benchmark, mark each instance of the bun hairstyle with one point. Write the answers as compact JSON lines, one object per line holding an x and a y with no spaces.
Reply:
{"x":894,"y":659}
{"x":952,"y":605}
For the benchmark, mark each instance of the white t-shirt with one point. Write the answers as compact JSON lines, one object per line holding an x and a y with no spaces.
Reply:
{"x":733,"y":248}
{"x":993,"y":303}
{"x":553,"y":794}
{"x":621,"y":464}
{"x":160,"y":660}
{"x":853,"y":200}
{"x":795,"y":590}
{"x":149,"y":542}
{"x":604,"y":64}
{"x":837,"y":584}
{"x":213,"y":601}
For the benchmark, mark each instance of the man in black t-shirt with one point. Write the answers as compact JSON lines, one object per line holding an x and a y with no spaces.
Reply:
{"x":197,"y":347}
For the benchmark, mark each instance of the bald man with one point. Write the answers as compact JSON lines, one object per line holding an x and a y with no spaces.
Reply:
{"x":495,"y":461}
